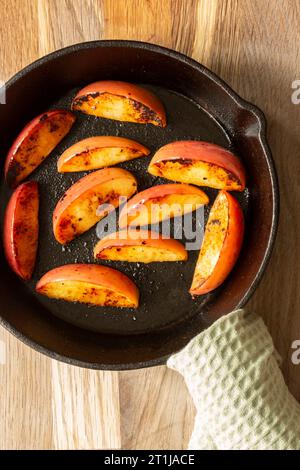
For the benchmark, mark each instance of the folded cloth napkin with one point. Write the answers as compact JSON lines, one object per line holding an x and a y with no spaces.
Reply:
{"x":242,"y":401}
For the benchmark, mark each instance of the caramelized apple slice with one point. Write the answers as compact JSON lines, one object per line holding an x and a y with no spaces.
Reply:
{"x":99,"y":152}
{"x":160,"y":203}
{"x":77,"y":210}
{"x":120,"y":101}
{"x":89,"y":284}
{"x":21,"y":229}
{"x":199,"y":163}
{"x":140,"y":246}
{"x":221,"y":244}
{"x":35,"y":142}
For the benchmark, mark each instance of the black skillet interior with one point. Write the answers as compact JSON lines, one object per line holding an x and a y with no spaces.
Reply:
{"x":197,"y":108}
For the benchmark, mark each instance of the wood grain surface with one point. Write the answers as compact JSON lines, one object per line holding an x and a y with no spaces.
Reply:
{"x":254,"y":46}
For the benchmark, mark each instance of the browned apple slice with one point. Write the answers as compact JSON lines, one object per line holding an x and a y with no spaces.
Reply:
{"x":200,"y":163}
{"x":35,"y":142}
{"x":77,"y":210}
{"x":160,"y":203}
{"x":120,"y":101}
{"x":21,"y":228}
{"x":140,"y":246}
{"x":99,"y":152}
{"x":221,"y":244}
{"x":89,"y":284}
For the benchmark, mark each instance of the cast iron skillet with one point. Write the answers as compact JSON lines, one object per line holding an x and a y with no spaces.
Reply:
{"x":199,"y":106}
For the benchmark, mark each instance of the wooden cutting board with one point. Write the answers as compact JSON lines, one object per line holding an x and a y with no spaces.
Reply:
{"x":254,"y":46}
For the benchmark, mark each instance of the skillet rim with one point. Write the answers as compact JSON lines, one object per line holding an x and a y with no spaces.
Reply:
{"x":261,"y":135}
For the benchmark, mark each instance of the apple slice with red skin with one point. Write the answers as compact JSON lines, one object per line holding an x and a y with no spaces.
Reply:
{"x":89,"y":284}
{"x":139,"y":246}
{"x":221,"y":245}
{"x":78,"y":209}
{"x":35,"y":142}
{"x":21,"y":229}
{"x":161,"y":202}
{"x":99,"y":152}
{"x":199,"y":163}
{"x":120,"y":101}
